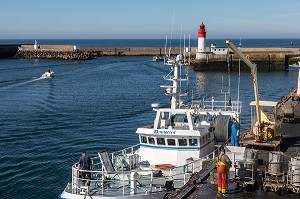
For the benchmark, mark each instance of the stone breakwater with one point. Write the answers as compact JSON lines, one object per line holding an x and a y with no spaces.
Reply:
{"x":47,"y":54}
{"x":74,"y":53}
{"x":267,"y":59}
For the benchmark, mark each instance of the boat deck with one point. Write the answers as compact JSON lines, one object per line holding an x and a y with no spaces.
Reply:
{"x":290,"y":146}
{"x":249,"y":142}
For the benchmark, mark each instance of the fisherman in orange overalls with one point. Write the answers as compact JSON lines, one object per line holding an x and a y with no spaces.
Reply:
{"x":223,"y":169}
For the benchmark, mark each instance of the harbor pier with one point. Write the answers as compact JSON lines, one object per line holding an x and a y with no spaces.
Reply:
{"x":267,"y":59}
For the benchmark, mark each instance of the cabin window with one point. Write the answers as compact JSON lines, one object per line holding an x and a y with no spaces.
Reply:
{"x":171,"y":142}
{"x":160,"y":141}
{"x":208,"y":136}
{"x":151,"y":140}
{"x":180,"y":118}
{"x":143,"y":139}
{"x":182,"y":142}
{"x":193,"y":142}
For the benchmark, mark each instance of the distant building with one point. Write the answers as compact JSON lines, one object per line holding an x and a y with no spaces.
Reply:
{"x":218,"y":50}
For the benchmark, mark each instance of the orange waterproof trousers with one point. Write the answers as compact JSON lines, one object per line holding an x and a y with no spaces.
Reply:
{"x":222,"y":177}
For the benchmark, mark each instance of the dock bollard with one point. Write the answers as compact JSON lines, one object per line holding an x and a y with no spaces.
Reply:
{"x":133,"y":185}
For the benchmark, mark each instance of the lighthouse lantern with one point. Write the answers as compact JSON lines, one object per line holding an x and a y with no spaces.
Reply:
{"x":201,"y":38}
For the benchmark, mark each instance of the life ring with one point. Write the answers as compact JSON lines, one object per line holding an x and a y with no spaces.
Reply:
{"x":164,"y":166}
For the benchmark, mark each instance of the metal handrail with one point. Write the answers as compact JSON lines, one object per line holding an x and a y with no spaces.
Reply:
{"x":99,"y":178}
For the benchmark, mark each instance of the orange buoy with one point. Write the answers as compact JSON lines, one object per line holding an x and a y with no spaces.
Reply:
{"x":164,"y":166}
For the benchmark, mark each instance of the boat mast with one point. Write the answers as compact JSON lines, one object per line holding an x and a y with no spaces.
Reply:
{"x":171,"y":33}
{"x":175,"y":86}
{"x":180,"y":39}
{"x":166,"y":49}
{"x":298,"y":86}
{"x":189,"y":49}
{"x":184,"y":49}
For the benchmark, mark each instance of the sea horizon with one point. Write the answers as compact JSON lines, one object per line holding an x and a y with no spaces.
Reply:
{"x":220,"y":42}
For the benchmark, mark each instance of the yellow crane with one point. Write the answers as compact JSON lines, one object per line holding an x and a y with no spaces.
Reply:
{"x":253,"y":68}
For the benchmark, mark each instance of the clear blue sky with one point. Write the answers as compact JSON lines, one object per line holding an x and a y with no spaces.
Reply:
{"x":143,"y":19}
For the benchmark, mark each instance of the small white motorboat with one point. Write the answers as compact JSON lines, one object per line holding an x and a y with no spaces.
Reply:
{"x":158,"y":58}
{"x":48,"y":74}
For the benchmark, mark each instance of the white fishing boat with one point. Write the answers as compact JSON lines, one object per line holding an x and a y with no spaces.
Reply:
{"x":178,"y":143}
{"x":295,"y":66}
{"x":48,"y":74}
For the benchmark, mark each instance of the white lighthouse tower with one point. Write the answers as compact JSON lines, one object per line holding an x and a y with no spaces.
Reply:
{"x":201,"y":42}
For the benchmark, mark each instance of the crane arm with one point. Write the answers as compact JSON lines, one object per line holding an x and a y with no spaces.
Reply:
{"x":253,"y":68}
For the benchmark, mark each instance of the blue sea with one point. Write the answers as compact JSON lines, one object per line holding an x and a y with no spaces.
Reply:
{"x":94,"y":105}
{"x":247,"y":43}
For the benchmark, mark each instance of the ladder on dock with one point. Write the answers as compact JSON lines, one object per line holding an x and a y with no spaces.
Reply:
{"x":190,"y":186}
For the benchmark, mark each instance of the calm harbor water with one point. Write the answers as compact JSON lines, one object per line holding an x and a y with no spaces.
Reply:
{"x":91,"y":105}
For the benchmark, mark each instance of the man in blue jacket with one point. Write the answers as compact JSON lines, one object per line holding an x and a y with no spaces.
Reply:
{"x":235,"y":132}
{"x":85,"y":164}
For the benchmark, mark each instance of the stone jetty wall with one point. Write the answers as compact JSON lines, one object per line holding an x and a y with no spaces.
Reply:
{"x":74,"y":52}
{"x":48,"y":54}
{"x":63,"y":52}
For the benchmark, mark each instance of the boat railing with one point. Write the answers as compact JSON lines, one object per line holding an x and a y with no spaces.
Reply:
{"x":194,"y":166}
{"x":197,"y":165}
{"x":103,"y":182}
{"x":116,"y":182}
{"x":202,"y":105}
{"x":121,"y":154}
{"x":97,"y":183}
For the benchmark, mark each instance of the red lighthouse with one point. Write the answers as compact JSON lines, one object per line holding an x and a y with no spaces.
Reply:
{"x":201,"y":38}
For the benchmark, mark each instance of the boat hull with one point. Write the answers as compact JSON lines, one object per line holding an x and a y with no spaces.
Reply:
{"x":294,"y":67}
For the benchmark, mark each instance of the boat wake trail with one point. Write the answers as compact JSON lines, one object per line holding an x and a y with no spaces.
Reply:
{"x":22,"y":83}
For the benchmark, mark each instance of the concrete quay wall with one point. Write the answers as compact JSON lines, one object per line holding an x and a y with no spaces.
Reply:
{"x":131,"y":51}
{"x":267,"y":59}
{"x":222,"y":65}
{"x":112,"y":51}
{"x":47,"y":48}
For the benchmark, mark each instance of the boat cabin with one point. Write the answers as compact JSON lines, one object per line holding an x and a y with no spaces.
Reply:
{"x":175,"y":136}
